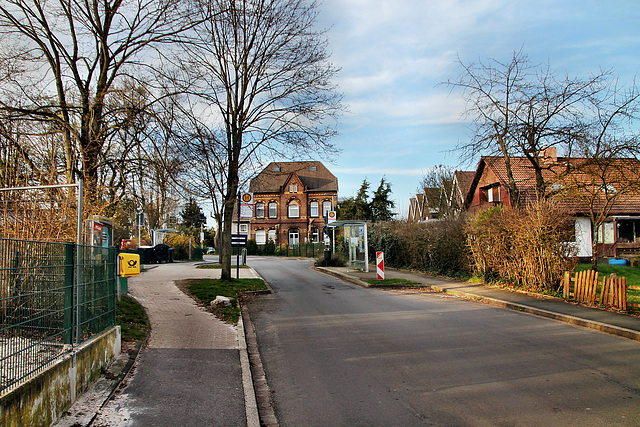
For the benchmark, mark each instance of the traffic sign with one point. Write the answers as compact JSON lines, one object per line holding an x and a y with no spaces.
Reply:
{"x":246,"y":205}
{"x":380,"y":265}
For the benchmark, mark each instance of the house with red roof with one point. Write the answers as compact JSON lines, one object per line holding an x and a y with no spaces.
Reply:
{"x":585,"y":189}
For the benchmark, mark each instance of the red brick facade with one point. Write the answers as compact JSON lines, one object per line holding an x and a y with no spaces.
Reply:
{"x":288,"y":202}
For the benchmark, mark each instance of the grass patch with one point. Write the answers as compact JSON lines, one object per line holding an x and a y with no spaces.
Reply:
{"x":631,"y":273}
{"x":132,"y":318}
{"x":206,"y":290}
{"x":218,"y":266}
{"x":393,"y":282}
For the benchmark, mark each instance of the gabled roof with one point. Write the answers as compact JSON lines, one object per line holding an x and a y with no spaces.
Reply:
{"x":579,"y":189}
{"x":463,"y":180}
{"x":314,"y":175}
{"x":562,"y":173}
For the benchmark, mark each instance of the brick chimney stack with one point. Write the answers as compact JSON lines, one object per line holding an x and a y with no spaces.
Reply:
{"x":550,"y":155}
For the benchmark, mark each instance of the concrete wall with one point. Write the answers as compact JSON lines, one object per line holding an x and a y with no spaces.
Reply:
{"x":43,"y":399}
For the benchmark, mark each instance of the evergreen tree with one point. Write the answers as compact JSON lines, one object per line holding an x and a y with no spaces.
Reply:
{"x":192,"y":216}
{"x":362,"y":207}
{"x":381,"y":204}
{"x":346,"y":209}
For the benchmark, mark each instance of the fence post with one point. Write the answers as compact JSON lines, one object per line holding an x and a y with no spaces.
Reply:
{"x":69,"y":272}
{"x":567,"y":284}
{"x":112,"y":287}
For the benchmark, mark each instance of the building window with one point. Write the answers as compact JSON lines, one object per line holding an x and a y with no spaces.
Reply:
{"x":244,"y":228}
{"x":259,"y":210}
{"x":326,"y":207}
{"x":605,"y":233}
{"x":313,"y":168}
{"x":271,"y":236}
{"x":294,"y":210}
{"x":313,"y":207}
{"x":293,"y":188}
{"x":294,"y":236}
{"x":273,"y":210}
{"x":261,"y":237}
{"x":314,"y":234}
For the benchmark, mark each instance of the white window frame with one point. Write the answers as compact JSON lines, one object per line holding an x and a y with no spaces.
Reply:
{"x":295,"y":214}
{"x":313,"y":209}
{"x":259,"y":210}
{"x":324,"y":207}
{"x":606,"y":234}
{"x":273,"y":214}
{"x":271,"y":235}
{"x":261,"y":237}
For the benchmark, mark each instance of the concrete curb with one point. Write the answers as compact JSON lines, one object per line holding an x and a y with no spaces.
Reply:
{"x":262,"y":395}
{"x":590,"y":324}
{"x":250,"y":403}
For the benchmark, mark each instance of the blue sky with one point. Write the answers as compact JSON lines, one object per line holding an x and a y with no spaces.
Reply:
{"x":394,"y":53}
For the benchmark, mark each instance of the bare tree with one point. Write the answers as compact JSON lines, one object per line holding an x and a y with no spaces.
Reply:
{"x":437,"y":186}
{"x":68,"y":57}
{"x":607,"y":173}
{"x":519,"y":108}
{"x":264,"y":69}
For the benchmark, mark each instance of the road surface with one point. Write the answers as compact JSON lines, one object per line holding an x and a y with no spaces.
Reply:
{"x":337,"y":354}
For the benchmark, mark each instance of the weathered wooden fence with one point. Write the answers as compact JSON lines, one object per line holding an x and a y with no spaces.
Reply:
{"x":587,"y":287}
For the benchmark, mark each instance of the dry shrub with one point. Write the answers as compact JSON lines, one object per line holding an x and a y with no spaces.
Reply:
{"x":530,"y":248}
{"x":39,"y":214}
{"x":437,"y":247}
{"x":180,"y":244}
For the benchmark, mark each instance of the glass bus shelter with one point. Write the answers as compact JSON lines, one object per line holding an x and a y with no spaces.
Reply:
{"x":355,"y":234}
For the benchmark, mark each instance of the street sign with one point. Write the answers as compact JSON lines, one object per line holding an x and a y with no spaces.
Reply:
{"x":246,"y":205}
{"x":238,"y":240}
{"x":331,"y":217}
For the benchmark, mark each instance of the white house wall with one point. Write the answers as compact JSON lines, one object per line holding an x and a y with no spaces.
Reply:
{"x":583,"y":237}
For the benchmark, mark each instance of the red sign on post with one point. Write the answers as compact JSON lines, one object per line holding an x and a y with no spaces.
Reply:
{"x":380,"y":265}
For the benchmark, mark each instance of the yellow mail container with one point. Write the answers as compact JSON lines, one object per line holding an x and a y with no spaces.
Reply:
{"x":129,"y":265}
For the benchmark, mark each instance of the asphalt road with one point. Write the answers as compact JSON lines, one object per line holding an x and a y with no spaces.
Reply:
{"x":340,"y":355}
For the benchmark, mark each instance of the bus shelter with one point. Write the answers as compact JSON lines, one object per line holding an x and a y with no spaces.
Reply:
{"x":354,"y":234}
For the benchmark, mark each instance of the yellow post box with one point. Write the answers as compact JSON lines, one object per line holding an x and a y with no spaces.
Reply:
{"x":129,"y":265}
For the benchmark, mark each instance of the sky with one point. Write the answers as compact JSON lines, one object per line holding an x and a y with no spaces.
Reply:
{"x":394,"y":56}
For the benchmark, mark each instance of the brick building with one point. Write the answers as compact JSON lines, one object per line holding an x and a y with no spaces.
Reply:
{"x":290,"y":199}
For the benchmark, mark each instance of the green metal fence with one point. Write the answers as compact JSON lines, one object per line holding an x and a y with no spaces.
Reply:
{"x":53,"y":296}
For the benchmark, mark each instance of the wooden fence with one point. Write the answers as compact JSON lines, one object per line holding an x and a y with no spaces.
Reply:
{"x":587,"y":287}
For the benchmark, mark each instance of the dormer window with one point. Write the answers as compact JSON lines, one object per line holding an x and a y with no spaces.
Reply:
{"x":276,"y":169}
{"x":313,"y":168}
{"x":293,"y":188}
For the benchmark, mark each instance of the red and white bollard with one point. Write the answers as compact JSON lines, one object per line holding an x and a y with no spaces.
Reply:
{"x":380,"y":265}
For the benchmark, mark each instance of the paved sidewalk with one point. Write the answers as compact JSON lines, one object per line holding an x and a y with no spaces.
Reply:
{"x":194,"y":370}
{"x":623,"y":325}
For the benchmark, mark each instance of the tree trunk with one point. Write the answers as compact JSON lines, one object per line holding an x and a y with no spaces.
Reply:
{"x":225,"y":238}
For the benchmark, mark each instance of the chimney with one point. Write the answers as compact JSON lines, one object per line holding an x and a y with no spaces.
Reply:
{"x":549,"y":155}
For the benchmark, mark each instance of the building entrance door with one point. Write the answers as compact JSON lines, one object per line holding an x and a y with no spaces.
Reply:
{"x":294,"y":236}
